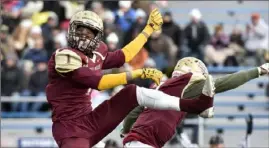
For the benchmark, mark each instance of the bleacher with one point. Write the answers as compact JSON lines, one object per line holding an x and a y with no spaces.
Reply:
{"x":214,"y":12}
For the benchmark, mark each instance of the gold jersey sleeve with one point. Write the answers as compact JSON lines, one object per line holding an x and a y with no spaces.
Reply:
{"x":67,"y":61}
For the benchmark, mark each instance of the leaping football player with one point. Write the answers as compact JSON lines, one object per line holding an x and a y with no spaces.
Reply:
{"x":76,"y":70}
{"x":145,"y":127}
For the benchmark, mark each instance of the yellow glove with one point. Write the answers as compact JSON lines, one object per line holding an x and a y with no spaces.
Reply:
{"x":148,"y":73}
{"x":155,"y":20}
{"x":151,"y":73}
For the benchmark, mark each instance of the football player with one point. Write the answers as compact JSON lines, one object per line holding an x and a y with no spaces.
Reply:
{"x":145,"y":127}
{"x":76,"y":70}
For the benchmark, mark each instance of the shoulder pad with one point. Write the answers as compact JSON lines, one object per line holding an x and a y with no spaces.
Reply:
{"x":67,"y":61}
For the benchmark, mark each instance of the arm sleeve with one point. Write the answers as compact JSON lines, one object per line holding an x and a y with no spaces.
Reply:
{"x":114,"y":59}
{"x":130,"y":119}
{"x":95,"y":80}
{"x":69,"y":64}
{"x":232,"y":81}
{"x":131,"y":49}
{"x":224,"y":83}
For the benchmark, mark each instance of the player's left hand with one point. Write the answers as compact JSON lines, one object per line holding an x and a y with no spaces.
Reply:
{"x":155,"y":19}
{"x":264,"y":69}
{"x":152,"y":73}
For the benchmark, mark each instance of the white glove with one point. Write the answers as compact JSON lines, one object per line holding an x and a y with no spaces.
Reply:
{"x":264,"y":69}
{"x":209,"y":87}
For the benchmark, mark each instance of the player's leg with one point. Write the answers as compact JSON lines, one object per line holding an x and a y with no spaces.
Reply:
{"x":136,"y":144}
{"x":107,"y":116}
{"x":110,"y":113}
{"x":74,"y":142}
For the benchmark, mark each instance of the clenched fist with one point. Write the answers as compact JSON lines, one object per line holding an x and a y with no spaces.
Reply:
{"x":155,"y":20}
{"x":151,"y":73}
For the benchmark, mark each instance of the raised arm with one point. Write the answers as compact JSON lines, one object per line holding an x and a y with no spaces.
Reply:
{"x":234,"y":80}
{"x":69,"y":64}
{"x":228,"y":82}
{"x":130,"y":50}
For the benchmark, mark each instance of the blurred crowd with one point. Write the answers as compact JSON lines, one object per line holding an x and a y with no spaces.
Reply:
{"x":32,"y":30}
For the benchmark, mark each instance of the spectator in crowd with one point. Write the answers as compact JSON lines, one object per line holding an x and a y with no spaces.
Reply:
{"x":257,"y":38}
{"x":144,"y":5}
{"x":237,"y":43}
{"x":11,"y":76}
{"x":162,"y":49}
{"x":59,"y":40}
{"x":71,"y":7}
{"x":38,"y":79}
{"x":112,"y":41}
{"x":37,"y":53}
{"x":196,"y":36}
{"x":11,"y":13}
{"x":35,"y":34}
{"x":5,"y":41}
{"x":170,"y":28}
{"x":216,"y":142}
{"x":111,"y":144}
{"x":125,"y":15}
{"x":32,"y":7}
{"x":97,"y":7}
{"x":110,"y":26}
{"x":47,"y":29}
{"x":110,"y":5}
{"x":27,"y":71}
{"x":20,"y":36}
{"x":236,"y":37}
{"x":136,"y":27}
{"x":218,"y":51}
{"x":38,"y":82}
{"x":56,"y":8}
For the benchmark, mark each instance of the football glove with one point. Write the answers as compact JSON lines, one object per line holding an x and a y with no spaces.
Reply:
{"x":151,"y":73}
{"x":155,"y":20}
{"x":209,"y":87}
{"x":264,"y":69}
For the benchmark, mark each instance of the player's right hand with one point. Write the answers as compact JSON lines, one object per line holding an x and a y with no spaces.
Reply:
{"x":155,"y":19}
{"x":152,"y":73}
{"x":209,"y":87}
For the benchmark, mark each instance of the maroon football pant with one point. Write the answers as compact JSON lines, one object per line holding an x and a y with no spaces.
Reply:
{"x":101,"y":121}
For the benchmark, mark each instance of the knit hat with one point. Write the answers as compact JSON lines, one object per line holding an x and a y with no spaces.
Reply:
{"x":196,"y":13}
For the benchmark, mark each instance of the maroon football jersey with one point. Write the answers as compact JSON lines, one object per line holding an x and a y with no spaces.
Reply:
{"x":70,"y":99}
{"x":156,"y":127}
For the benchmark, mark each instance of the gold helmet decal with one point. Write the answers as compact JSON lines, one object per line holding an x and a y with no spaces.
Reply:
{"x":190,"y":64}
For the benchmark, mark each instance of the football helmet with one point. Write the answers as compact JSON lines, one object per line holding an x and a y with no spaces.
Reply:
{"x":190,"y":64}
{"x":89,"y":20}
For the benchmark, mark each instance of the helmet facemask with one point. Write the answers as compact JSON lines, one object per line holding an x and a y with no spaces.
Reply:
{"x":86,"y":45}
